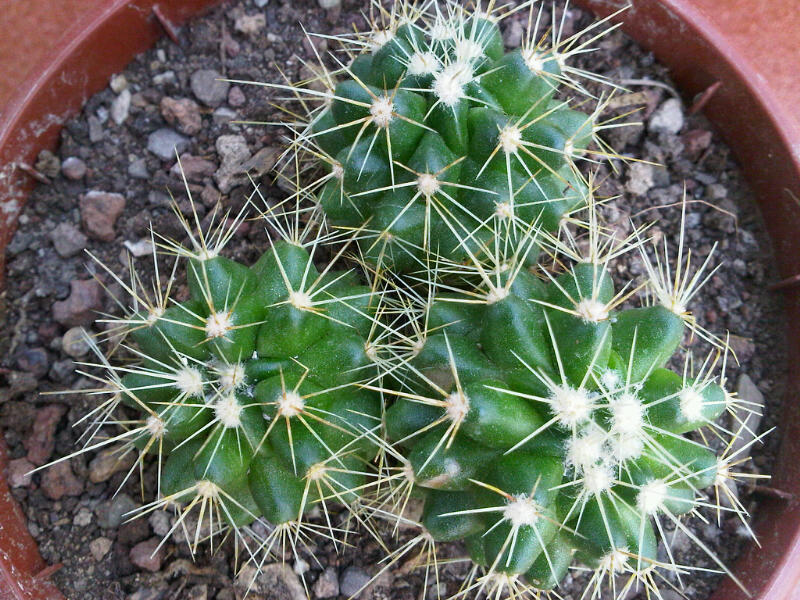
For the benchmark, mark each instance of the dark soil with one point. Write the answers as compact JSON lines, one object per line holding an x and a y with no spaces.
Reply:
{"x":75,"y":521}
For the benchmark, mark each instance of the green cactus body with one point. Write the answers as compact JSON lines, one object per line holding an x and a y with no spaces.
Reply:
{"x":247,"y":386}
{"x":428,"y":139}
{"x":545,"y":426}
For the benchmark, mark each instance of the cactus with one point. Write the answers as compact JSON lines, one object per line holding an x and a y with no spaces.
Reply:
{"x":534,"y":410}
{"x":491,"y":367}
{"x":537,"y":418}
{"x":434,"y":134}
{"x":245,"y":392}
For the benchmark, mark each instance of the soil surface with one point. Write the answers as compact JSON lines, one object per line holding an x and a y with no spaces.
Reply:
{"x":112,"y":177}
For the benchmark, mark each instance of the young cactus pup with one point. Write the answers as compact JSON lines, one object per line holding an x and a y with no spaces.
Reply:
{"x":434,"y":133}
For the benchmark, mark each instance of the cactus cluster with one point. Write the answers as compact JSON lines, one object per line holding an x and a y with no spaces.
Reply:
{"x":491,"y":367}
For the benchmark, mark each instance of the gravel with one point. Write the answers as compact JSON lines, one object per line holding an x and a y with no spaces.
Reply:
{"x":99,"y":213}
{"x":208,"y":85}
{"x":352,"y":581}
{"x":165,"y":143}
{"x":668,"y":117}
{"x":68,"y":240}
{"x":73,"y":168}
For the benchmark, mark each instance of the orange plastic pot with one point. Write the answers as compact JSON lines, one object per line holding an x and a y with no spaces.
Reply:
{"x":737,"y":57}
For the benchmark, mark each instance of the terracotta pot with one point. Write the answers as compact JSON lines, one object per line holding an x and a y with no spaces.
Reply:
{"x":739,"y":55}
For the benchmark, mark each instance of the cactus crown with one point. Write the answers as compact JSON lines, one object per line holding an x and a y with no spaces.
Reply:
{"x":490,"y":364}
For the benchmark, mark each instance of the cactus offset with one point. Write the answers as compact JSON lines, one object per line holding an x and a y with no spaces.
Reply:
{"x":538,"y":420}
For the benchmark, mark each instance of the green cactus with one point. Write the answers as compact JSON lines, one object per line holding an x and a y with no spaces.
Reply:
{"x":538,"y":420}
{"x":534,"y":414}
{"x":491,"y":367}
{"x":247,"y":391}
{"x":434,"y":134}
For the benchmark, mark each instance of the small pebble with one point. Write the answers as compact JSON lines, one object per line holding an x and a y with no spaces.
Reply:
{"x":74,"y":343}
{"x":82,"y":304}
{"x":73,"y":168}
{"x":109,"y":461}
{"x":183,"y":113}
{"x":236,"y":97}
{"x":147,"y":593}
{"x":120,"y":107}
{"x":209,"y":87}
{"x":68,"y":240}
{"x":668,"y":117}
{"x":194,"y":168}
{"x":165,"y":143}
{"x":165,"y":78}
{"x":99,"y":213}
{"x":327,"y":585}
{"x":118,"y":83}
{"x":696,"y":141}
{"x":58,"y":481}
{"x":34,"y":360}
{"x":198,"y":592}
{"x":133,"y":531}
{"x":749,"y":414}
{"x":436,"y":591}
{"x":61,"y":370}
{"x":250,"y":24}
{"x":144,"y":247}
{"x":640,"y":178}
{"x":138,"y":169}
{"x":160,"y":522}
{"x":99,"y":547}
{"x":40,"y":442}
{"x":147,"y":555}
{"x":352,"y":581}
{"x":232,"y":151}
{"x":223,"y":115}
{"x":48,"y":164}
{"x":271,"y":582}
{"x":95,"y":129}
{"x":19,"y":472}
{"x":301,"y":567}
{"x":112,"y":513}
{"x":83,"y":517}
